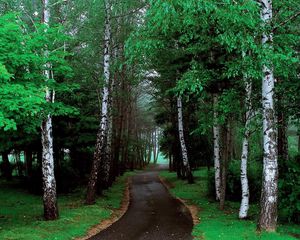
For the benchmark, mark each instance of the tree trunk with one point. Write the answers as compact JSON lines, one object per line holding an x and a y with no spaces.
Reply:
{"x":58,"y":157}
{"x":107,"y":173}
{"x":7,"y":169}
{"x":243,"y":213}
{"x":117,"y":144}
{"x":118,"y":136}
{"x":170,"y":161}
{"x":149,"y":147}
{"x":100,"y":151}
{"x":154,"y":146}
{"x":282,"y":135}
{"x":39,"y":157}
{"x":49,"y":183}
{"x":28,"y":163}
{"x":269,"y":195}
{"x":216,"y":131}
{"x":225,"y":138}
{"x":18,"y":162}
{"x":184,"y":153}
{"x":157,"y":145}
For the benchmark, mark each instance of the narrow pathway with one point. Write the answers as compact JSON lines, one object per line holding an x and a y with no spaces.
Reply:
{"x":153,"y":214}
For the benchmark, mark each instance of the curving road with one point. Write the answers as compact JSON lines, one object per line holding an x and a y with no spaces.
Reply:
{"x":152,"y":214}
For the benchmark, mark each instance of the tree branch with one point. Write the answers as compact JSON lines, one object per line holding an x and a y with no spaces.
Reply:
{"x":287,"y":20}
{"x":129,"y":13}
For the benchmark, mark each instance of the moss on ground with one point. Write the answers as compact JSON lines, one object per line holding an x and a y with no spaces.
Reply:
{"x":216,"y":224}
{"x":21,"y":213}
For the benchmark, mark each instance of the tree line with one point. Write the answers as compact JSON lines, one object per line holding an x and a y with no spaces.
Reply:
{"x":63,"y":79}
{"x":234,"y":67}
{"x":221,"y":77}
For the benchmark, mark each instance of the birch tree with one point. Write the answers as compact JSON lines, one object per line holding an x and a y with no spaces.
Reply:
{"x":216,"y":133}
{"x":268,"y":202}
{"x":49,"y":183}
{"x":243,"y":213}
{"x":100,"y":154}
{"x":184,"y":153}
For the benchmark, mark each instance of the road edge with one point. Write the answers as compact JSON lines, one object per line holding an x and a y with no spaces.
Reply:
{"x":193,"y":209}
{"x":114,"y":217}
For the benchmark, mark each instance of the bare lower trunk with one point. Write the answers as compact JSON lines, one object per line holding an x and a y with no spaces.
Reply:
{"x":18,"y":162}
{"x":268,"y":213}
{"x":243,"y":213}
{"x":49,"y":183}
{"x":149,"y":147}
{"x":109,"y":165}
{"x":100,"y":154}
{"x":109,"y":162}
{"x":185,"y":160}
{"x":157,"y":145}
{"x":216,"y":131}
{"x":225,"y":138}
{"x":154,"y":146}
{"x":282,"y":137}
{"x":7,"y":168}
{"x":245,"y":153}
{"x":28,"y":163}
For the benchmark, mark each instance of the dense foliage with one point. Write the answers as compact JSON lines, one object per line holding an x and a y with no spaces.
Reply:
{"x":117,"y":73}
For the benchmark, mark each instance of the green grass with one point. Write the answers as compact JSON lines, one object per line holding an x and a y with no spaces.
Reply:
{"x":217,"y":224}
{"x":21,"y":213}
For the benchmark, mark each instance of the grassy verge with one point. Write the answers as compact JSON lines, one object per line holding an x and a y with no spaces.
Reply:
{"x":217,"y":224}
{"x":21,"y":213}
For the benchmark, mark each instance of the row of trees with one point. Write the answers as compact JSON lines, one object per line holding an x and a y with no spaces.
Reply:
{"x":207,"y":69}
{"x":222,"y":59}
{"x":62,"y":66}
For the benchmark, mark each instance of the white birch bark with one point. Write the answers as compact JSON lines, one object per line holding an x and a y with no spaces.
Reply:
{"x":108,"y":165}
{"x":157,"y":145}
{"x":268,"y":214}
{"x":216,"y":132}
{"x":100,"y":153}
{"x":243,"y":213}
{"x":184,"y":153}
{"x":49,"y":183}
{"x":104,"y":125}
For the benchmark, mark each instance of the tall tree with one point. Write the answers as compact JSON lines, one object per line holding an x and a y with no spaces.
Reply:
{"x":243,"y":213}
{"x":49,"y":183}
{"x":216,"y":133}
{"x":269,"y":194}
{"x":185,"y":160}
{"x":100,"y":154}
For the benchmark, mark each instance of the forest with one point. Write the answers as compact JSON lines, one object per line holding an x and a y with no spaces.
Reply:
{"x":149,"y":119}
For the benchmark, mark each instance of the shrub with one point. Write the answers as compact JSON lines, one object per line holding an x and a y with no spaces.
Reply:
{"x":289,"y":185}
{"x":233,"y":185}
{"x":67,"y":178}
{"x":234,"y":181}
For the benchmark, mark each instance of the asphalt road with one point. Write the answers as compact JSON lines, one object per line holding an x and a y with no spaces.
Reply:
{"x":153,"y":214}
